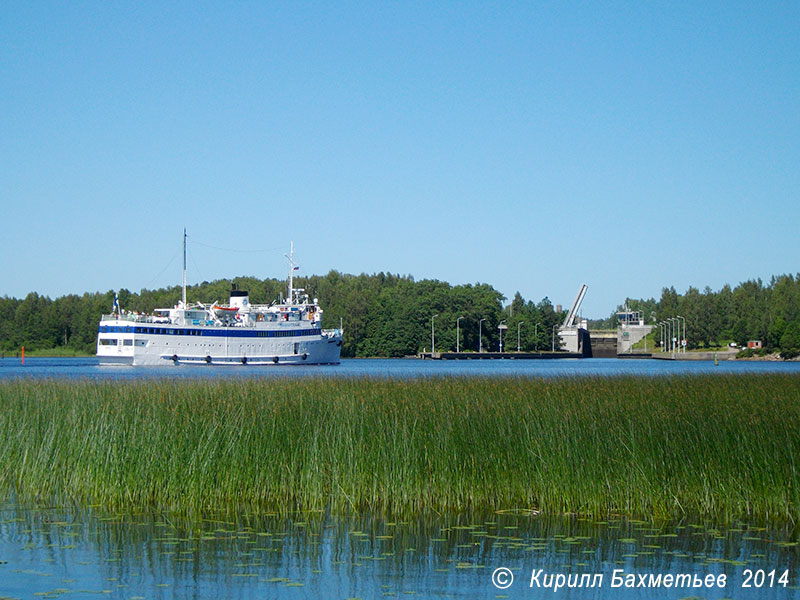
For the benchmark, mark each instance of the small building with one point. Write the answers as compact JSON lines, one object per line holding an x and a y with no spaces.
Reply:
{"x":754,"y":344}
{"x":631,"y":330}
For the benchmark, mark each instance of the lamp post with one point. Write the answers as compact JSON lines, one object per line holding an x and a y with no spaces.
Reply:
{"x":502,"y":327}
{"x":675,"y":333}
{"x":433,"y":335}
{"x":518,"y":326}
{"x":668,"y":324}
{"x":480,"y":337}
{"x":536,"y":337}
{"x":671,"y":334}
{"x":458,"y":333}
{"x":683,"y":337}
{"x":554,"y":336}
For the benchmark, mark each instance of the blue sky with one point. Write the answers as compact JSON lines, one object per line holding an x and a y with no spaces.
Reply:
{"x":532,"y":146}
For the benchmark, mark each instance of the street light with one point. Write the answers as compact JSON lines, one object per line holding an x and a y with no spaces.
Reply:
{"x":480,"y":337}
{"x":668,"y":323}
{"x":433,"y":335}
{"x":518,"y":326}
{"x":536,"y":337}
{"x":683,"y":337}
{"x":668,"y":330}
{"x":675,"y":334}
{"x":458,"y":333}
{"x":501,"y":327}
{"x":554,"y":337}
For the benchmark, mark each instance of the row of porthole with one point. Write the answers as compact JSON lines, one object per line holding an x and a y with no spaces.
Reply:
{"x":243,"y":359}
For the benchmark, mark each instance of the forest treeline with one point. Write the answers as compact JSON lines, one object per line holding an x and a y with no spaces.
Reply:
{"x":752,"y":310}
{"x":390,"y":315}
{"x":382,"y":314}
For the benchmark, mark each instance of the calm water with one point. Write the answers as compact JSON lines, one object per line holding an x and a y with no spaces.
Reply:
{"x":85,"y":553}
{"x":72,"y":368}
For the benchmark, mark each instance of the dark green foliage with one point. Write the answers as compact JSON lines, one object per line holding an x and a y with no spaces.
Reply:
{"x":390,"y":315}
{"x":382,"y":314}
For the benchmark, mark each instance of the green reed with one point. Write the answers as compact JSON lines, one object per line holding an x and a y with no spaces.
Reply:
{"x":725,"y":446}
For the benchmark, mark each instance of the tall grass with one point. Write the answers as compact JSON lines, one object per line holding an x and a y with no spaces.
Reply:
{"x":724,"y":446}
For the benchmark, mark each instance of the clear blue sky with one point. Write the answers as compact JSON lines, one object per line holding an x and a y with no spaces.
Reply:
{"x":532,"y":146}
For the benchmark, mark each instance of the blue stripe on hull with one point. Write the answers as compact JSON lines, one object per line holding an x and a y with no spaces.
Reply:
{"x":207,"y":331}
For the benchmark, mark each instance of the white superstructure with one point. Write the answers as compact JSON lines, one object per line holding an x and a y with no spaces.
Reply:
{"x":236,"y":333}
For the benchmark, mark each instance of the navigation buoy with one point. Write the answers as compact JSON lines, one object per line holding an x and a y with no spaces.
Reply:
{"x":23,"y":355}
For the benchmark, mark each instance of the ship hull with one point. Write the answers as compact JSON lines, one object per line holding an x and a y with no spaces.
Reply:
{"x":121,"y":344}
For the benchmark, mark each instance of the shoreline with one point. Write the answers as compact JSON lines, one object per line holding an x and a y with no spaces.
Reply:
{"x":702,"y":355}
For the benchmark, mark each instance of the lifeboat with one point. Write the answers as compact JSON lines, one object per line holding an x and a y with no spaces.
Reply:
{"x":225,"y":312}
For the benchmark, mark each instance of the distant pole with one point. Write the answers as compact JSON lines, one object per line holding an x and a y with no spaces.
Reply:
{"x":183,"y":294}
{"x":554,"y":336}
{"x":675,"y":334}
{"x":458,"y":334}
{"x":23,"y":355}
{"x":501,"y":327}
{"x":480,"y":337}
{"x":683,"y":337}
{"x":672,"y":335}
{"x":433,"y":335}
{"x":536,"y":337}
{"x":518,"y":326}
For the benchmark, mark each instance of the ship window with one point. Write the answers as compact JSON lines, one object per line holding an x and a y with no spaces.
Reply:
{"x":108,"y":342}
{"x":127,"y":342}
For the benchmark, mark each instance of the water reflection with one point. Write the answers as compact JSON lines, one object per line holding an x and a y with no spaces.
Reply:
{"x":81,"y":552}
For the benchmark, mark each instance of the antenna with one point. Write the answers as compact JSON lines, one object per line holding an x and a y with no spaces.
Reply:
{"x":183,"y":296}
{"x":290,"y":256}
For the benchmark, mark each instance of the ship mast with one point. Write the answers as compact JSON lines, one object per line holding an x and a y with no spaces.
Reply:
{"x":183,"y":296}
{"x":290,"y":256}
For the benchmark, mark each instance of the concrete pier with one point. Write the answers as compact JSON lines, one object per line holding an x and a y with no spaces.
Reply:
{"x":496,"y":355}
{"x":711,"y":355}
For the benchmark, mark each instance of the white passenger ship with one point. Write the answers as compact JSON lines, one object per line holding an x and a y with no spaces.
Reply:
{"x":237,"y":333}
